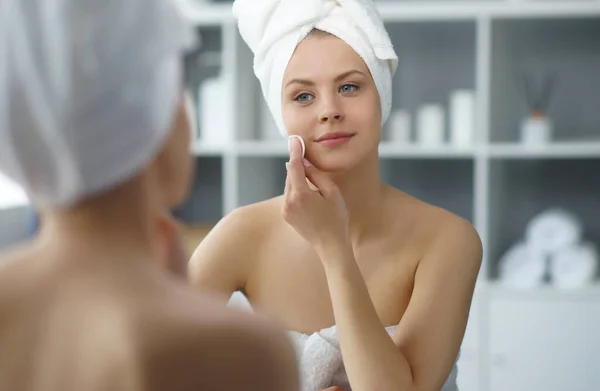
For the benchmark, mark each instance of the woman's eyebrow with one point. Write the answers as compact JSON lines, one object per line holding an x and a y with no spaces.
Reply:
{"x":337,"y":78}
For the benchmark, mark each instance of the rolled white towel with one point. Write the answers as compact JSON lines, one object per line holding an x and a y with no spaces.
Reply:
{"x":522,"y":266}
{"x":553,"y":230}
{"x":575,"y":266}
{"x":319,"y":356}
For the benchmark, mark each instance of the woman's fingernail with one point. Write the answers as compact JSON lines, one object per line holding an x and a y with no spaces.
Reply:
{"x":306,"y":163}
{"x":290,"y":143}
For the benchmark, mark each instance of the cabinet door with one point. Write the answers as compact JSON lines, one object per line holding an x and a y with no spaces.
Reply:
{"x":468,"y":363}
{"x":539,"y":344}
{"x":468,"y":370}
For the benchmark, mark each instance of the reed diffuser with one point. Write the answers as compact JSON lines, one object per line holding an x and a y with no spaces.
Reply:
{"x":537,"y":127}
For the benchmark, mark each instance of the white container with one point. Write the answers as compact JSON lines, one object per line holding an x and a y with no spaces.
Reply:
{"x":430,"y":125}
{"x":215,"y":129}
{"x":399,"y":125}
{"x":462,"y":118}
{"x":536,"y":131}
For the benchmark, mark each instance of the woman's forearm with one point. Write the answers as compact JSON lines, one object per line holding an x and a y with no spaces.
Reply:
{"x":371,"y":359}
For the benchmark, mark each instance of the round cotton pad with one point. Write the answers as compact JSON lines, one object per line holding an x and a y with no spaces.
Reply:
{"x":301,"y":142}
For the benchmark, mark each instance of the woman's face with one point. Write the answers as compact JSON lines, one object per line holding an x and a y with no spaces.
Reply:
{"x":328,"y":92}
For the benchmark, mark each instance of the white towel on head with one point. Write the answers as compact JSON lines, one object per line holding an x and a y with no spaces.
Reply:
{"x":273,"y":28}
{"x":87,"y":91}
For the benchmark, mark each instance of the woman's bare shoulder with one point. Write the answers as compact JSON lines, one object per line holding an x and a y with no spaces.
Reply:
{"x":429,"y":221}
{"x":207,"y":344}
{"x":247,"y":225}
{"x":226,"y":256}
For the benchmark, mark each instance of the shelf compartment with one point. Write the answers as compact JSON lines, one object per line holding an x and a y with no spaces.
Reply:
{"x":260,"y":178}
{"x":204,"y":204}
{"x":567,"y":48}
{"x":206,"y":65}
{"x":520,"y":189}
{"x":435,"y":59}
{"x":446,"y":183}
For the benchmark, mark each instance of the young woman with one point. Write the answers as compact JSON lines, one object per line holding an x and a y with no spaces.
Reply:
{"x":387,"y":276}
{"x":93,"y":127}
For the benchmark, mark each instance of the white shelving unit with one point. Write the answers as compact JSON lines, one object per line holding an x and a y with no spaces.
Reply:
{"x":516,"y":340}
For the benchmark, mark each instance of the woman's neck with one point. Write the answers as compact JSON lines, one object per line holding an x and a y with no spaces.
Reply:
{"x":117,"y":226}
{"x":363,"y":192}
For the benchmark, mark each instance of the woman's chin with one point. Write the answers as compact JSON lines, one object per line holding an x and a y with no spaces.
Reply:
{"x":335,"y":166}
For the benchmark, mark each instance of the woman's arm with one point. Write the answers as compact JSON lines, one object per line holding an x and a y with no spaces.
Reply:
{"x":426,"y":342}
{"x":221,"y":263}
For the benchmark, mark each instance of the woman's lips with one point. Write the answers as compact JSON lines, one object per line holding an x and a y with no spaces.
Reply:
{"x":335,"y":139}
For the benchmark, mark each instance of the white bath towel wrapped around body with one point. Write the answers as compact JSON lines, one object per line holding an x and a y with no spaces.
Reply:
{"x":320,"y":357}
{"x":322,"y":366}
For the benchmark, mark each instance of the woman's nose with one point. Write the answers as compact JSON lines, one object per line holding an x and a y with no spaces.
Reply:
{"x":330,"y":113}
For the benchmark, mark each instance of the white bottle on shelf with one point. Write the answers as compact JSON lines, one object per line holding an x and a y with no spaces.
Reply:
{"x":536,"y":130}
{"x":462,"y":118}
{"x":430,"y":125}
{"x":399,"y":125}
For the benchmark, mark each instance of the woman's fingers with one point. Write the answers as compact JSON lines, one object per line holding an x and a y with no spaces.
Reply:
{"x":295,"y":166}
{"x":320,"y":180}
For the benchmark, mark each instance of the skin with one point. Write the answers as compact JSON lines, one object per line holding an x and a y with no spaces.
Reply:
{"x":88,"y":304}
{"x":357,"y":253}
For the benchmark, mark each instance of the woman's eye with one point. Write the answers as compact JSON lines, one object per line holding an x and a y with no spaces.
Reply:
{"x":304,"y":97}
{"x":347,"y":88}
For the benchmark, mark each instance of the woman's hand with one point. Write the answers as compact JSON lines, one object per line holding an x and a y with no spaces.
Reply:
{"x":319,"y":216}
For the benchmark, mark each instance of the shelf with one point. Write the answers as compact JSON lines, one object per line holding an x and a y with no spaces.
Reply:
{"x":415,"y":151}
{"x":465,"y":10}
{"x":202,"y":150}
{"x":262,"y":148}
{"x":545,"y":293}
{"x":400,"y":11}
{"x":206,"y":14}
{"x":561,"y":150}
